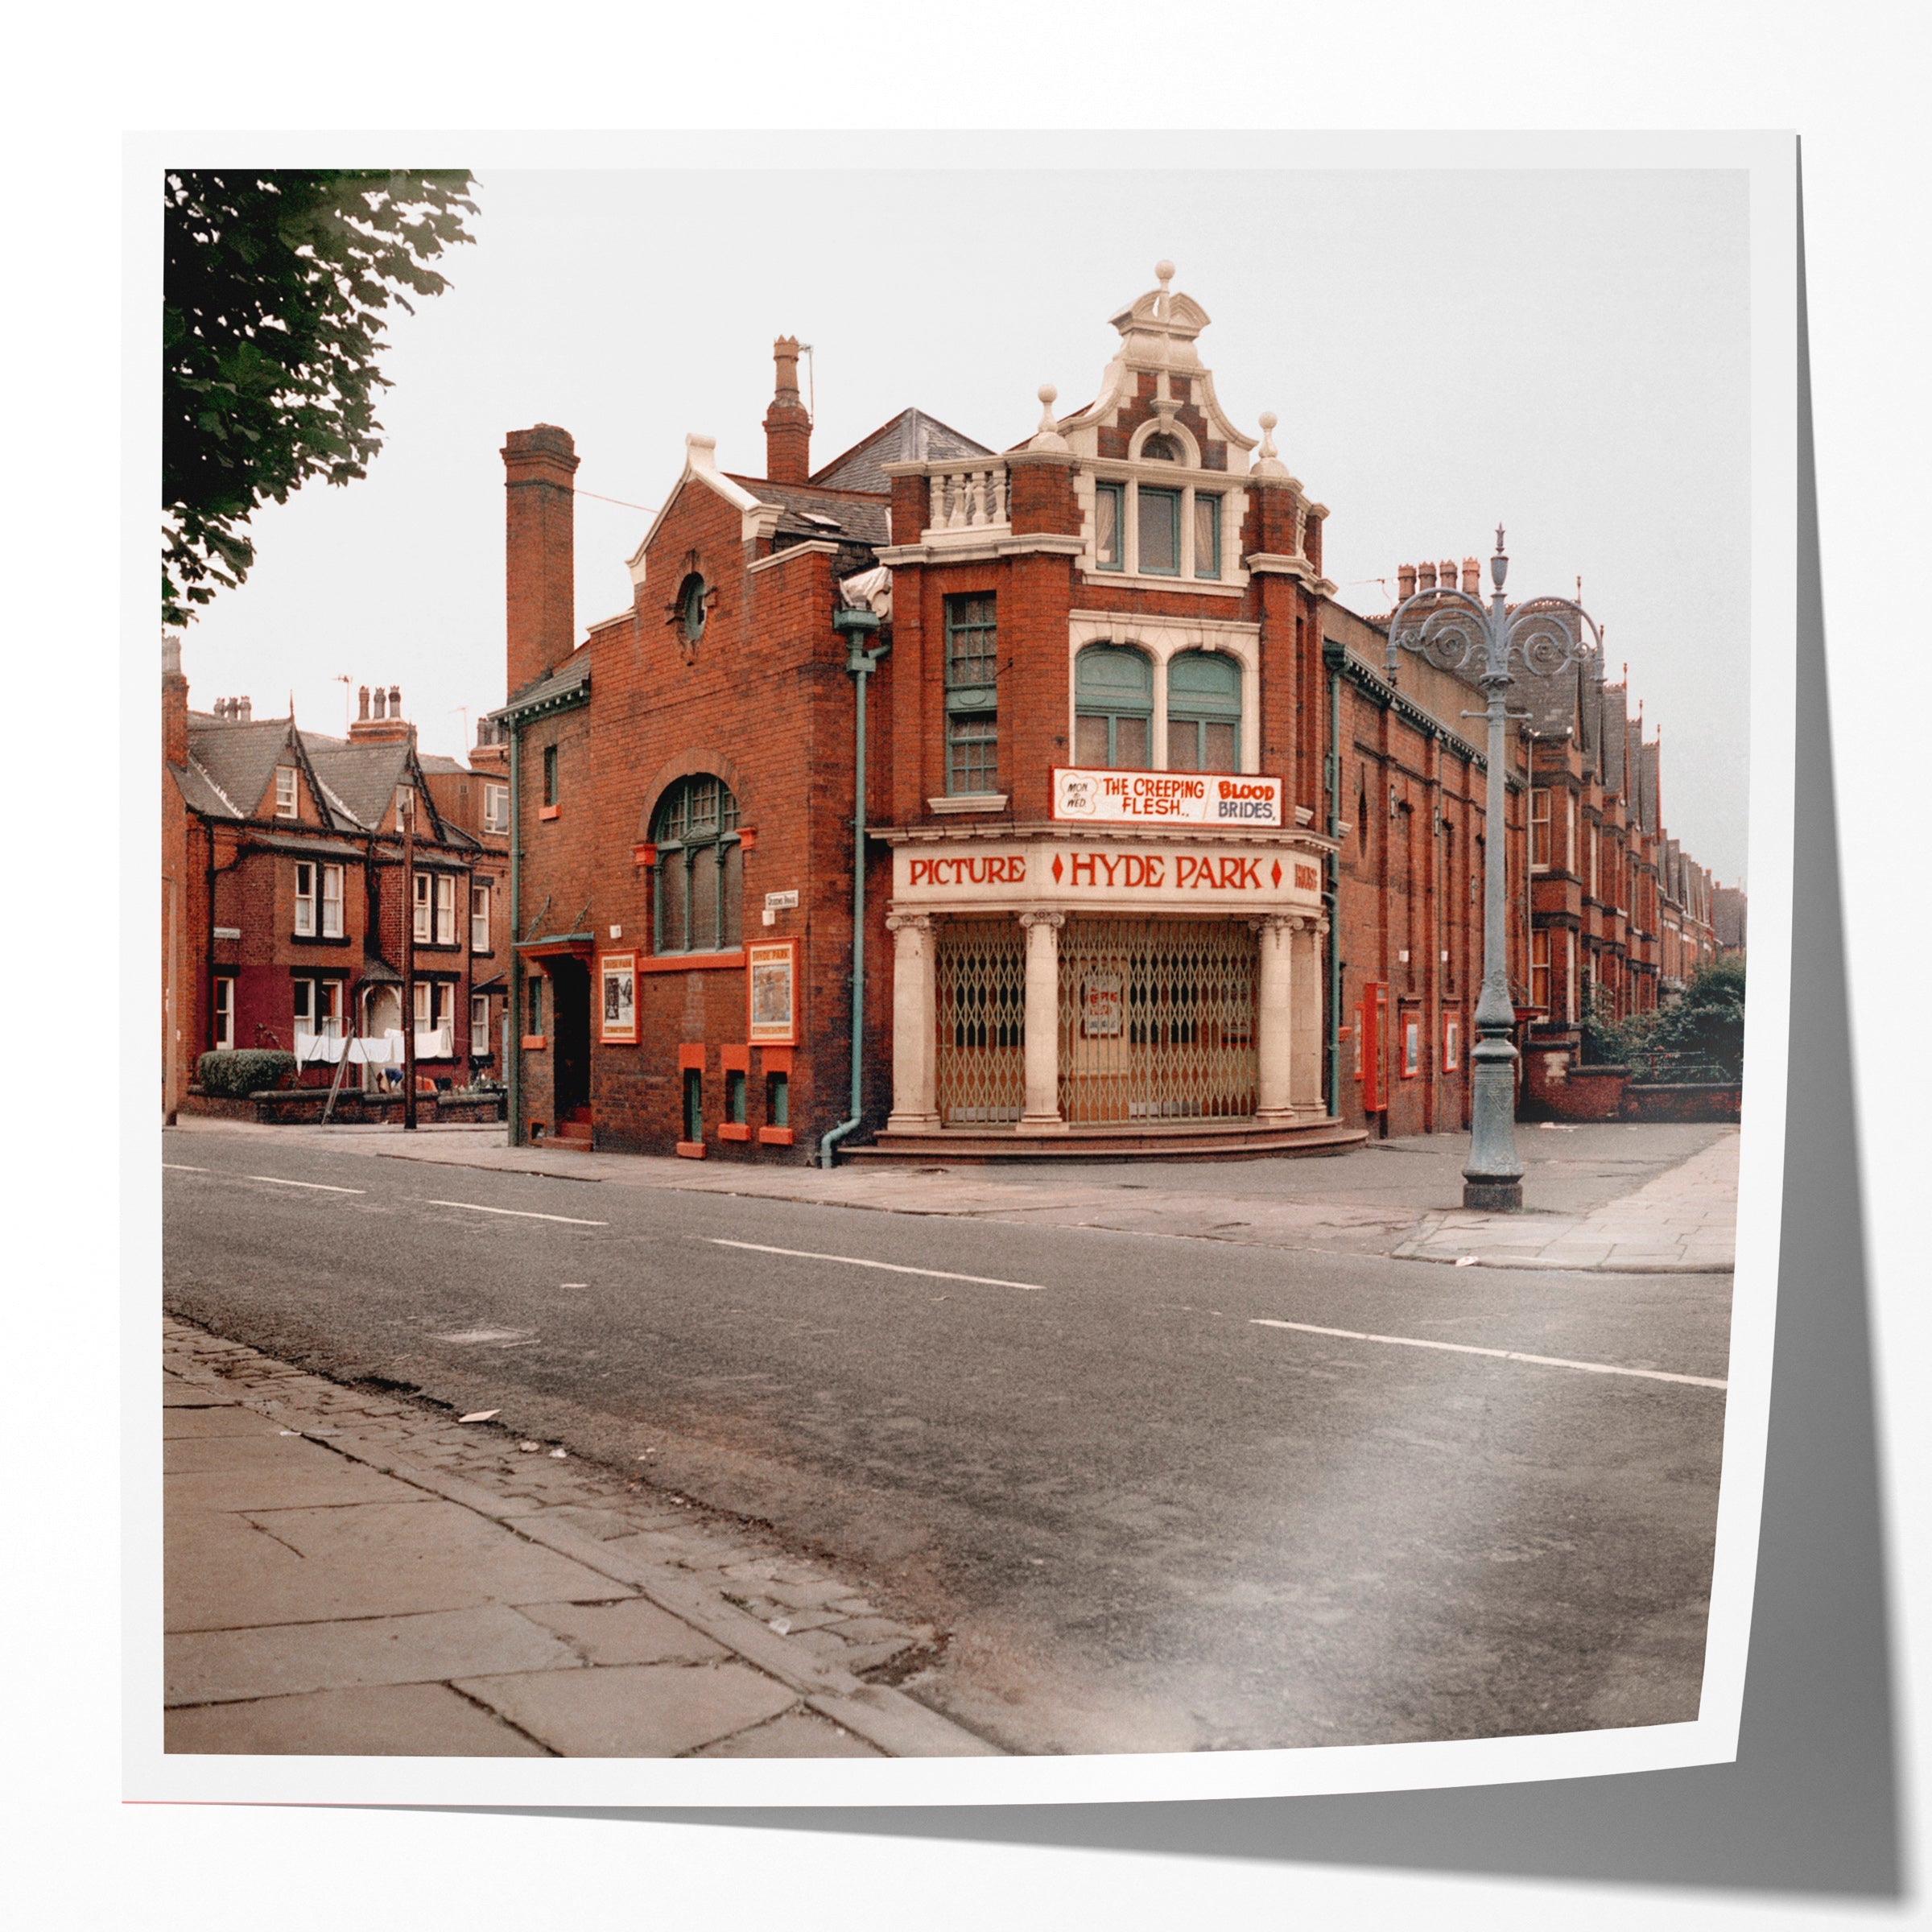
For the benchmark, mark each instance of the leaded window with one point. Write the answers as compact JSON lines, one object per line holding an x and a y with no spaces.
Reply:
{"x":972,"y":695}
{"x":1113,"y":708}
{"x":1203,"y":712}
{"x":697,"y":882}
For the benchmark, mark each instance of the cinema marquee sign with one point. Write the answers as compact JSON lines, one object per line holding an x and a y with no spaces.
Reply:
{"x":1166,"y":798}
{"x":1107,"y":873}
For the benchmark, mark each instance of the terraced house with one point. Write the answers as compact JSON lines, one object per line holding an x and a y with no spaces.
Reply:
{"x":283,"y":913}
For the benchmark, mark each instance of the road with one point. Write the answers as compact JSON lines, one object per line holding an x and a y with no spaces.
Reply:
{"x":1153,"y":1517}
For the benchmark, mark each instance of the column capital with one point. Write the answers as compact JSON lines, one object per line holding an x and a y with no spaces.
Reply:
{"x":1275,"y":922}
{"x":909,"y":921}
{"x":1056,"y":920}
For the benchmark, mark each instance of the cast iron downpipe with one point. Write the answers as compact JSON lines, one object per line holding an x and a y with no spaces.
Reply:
{"x":1331,"y":898}
{"x":859,"y":665}
{"x":513,"y":1049}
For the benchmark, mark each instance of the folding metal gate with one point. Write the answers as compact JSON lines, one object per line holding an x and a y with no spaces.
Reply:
{"x":1157,"y":1019}
{"x":981,"y":1018}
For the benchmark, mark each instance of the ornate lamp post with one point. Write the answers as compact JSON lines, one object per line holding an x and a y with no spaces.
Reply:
{"x":1455,"y":633}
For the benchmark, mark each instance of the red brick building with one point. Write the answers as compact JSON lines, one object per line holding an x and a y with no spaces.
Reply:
{"x":1158,"y":855}
{"x":282,"y":896}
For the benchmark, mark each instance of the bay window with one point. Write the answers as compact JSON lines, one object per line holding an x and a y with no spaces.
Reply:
{"x":972,"y":695}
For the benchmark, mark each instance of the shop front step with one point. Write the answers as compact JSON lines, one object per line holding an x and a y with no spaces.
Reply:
{"x":1200,"y":1140}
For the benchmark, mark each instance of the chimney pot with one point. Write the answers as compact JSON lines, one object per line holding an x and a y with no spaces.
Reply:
{"x":1405,"y":582}
{"x":245,"y":709}
{"x":381,"y":703}
{"x":362,"y":696}
{"x":1472,"y":576}
{"x":787,"y":427}
{"x":395,"y":700}
{"x":1424,"y":576}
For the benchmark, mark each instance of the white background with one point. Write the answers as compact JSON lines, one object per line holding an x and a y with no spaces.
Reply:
{"x":1849,"y":81}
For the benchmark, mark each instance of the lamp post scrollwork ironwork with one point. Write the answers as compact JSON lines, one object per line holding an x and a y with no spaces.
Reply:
{"x":1456,"y":632}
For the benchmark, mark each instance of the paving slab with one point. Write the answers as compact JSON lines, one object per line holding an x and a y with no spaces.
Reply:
{"x":792,"y":1734}
{"x":269,"y":1471}
{"x":179,"y":1425}
{"x":212,"y":1666}
{"x":389,"y":1720}
{"x":635,"y":1710}
{"x":629,"y":1632}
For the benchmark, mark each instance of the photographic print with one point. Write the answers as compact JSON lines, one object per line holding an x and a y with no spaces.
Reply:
{"x":1223,"y":1241}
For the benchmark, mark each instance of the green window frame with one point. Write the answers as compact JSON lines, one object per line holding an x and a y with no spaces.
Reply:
{"x":734,"y":1095}
{"x":777,"y":1099}
{"x":1203,"y":711}
{"x":550,"y":774}
{"x":1113,"y":708}
{"x":1110,"y":526}
{"x":971,"y":695}
{"x":694,"y":1104}
{"x":698,"y":881}
{"x":535,"y":1028}
{"x":1207,"y":535}
{"x":1158,"y":524}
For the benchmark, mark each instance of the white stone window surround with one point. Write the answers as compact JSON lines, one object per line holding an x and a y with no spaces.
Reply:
{"x":1185,"y":477}
{"x":1162,"y":639}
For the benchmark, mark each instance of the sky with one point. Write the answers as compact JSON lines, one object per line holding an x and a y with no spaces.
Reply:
{"x":1564,"y":351}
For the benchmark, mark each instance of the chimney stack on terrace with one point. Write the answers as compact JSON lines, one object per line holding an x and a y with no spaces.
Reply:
{"x":787,"y":427}
{"x":1472,"y":577}
{"x":540,"y":552}
{"x":386,"y":726}
{"x":174,"y":704}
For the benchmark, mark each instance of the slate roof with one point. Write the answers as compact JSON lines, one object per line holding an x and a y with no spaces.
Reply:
{"x":237,"y":760}
{"x":1617,"y":736}
{"x":572,"y":676}
{"x":363,"y":777}
{"x":858,"y":516}
{"x":911,"y":436}
{"x":1649,"y":775}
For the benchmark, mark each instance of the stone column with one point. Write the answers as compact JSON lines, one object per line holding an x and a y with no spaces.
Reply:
{"x":1042,"y":1113}
{"x":1305,"y":1077}
{"x":914,"y":1028}
{"x":1273,"y":1019}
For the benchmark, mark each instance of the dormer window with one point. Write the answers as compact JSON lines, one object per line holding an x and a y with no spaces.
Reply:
{"x":285,"y":791}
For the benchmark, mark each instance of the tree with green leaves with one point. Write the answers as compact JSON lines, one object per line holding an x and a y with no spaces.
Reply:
{"x":274,"y":287}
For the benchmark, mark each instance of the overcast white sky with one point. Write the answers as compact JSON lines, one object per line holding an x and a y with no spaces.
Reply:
{"x":1565,"y":352}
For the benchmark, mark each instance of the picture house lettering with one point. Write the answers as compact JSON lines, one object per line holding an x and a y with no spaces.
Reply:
{"x":1132,"y":875}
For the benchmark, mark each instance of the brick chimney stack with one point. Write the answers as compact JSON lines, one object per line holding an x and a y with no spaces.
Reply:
{"x":540,"y":552}
{"x":787,"y":427}
{"x":1472,"y":577}
{"x":387,"y":727}
{"x":1405,"y":582}
{"x":174,"y":704}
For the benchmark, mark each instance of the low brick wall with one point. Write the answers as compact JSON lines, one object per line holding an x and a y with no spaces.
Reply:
{"x":302,"y":1106}
{"x":1556,"y":1088}
{"x":1692,"y":1101}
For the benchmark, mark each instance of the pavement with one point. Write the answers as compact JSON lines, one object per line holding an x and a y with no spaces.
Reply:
{"x":346,"y":1573}
{"x":1684,"y":1222}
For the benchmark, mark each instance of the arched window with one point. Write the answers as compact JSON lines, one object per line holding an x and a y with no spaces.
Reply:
{"x":1203,"y":712}
{"x":691,"y":602}
{"x":1160,"y":449}
{"x":1113,"y":708}
{"x":699,"y":879}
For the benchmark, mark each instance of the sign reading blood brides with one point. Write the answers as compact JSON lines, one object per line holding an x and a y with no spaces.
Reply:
{"x":1169,"y":798}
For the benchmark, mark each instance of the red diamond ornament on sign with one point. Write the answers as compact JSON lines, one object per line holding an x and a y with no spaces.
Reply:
{"x":1277,"y":873}
{"x":1056,"y":868}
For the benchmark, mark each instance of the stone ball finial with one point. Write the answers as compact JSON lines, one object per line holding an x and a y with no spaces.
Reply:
{"x":1267,"y":459}
{"x":1163,"y":272}
{"x":1047,"y":436}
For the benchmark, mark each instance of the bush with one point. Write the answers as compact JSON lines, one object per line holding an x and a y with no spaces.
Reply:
{"x":1701,"y":1035}
{"x":238,"y":1074}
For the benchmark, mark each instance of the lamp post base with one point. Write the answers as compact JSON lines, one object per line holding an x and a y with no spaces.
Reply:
{"x":1493,"y":1197}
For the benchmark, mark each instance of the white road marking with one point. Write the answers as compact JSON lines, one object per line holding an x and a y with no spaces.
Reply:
{"x":275,"y":1180}
{"x":522,"y":1214}
{"x":182,"y":1167}
{"x":856,"y":1261}
{"x":1503,"y":1354}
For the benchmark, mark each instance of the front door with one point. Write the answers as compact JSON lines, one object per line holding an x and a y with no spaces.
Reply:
{"x":570,"y":1021}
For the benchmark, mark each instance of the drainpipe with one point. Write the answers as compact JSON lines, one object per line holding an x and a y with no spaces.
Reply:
{"x":1331,"y":657}
{"x":513,"y":1030}
{"x":859,"y":665}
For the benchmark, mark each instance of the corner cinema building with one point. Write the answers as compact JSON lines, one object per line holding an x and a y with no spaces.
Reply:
{"x":1099,"y":838}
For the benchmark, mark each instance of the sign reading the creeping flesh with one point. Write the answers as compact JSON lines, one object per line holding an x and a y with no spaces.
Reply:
{"x":1166,"y":798}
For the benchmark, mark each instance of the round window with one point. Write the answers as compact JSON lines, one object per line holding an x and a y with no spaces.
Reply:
{"x":691,"y":596}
